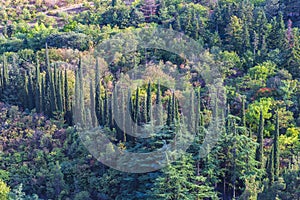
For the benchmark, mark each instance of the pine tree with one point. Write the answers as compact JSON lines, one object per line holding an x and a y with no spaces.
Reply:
{"x":259,"y":150}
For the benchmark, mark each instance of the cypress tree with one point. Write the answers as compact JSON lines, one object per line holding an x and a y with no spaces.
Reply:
{"x":68,"y":115}
{"x":123,"y":118}
{"x":159,"y":107}
{"x":59,"y":93}
{"x":115,"y":107}
{"x":192,"y":125}
{"x":30,"y":92}
{"x":110,"y":113}
{"x":92,"y":104}
{"x":129,"y":118}
{"x":169,"y":114}
{"x":26,"y":94}
{"x":4,"y":73}
{"x":173,"y":108}
{"x":81,"y":92}
{"x":176,"y":111}
{"x":98,"y":100}
{"x":38,"y":95}
{"x":43,"y":92}
{"x":105,"y":108}
{"x":76,"y":114}
{"x":149,"y":104}
{"x":243,"y":112}
{"x":259,"y":150}
{"x":270,"y":167}
{"x":144,"y":109}
{"x":276,"y":148}
{"x":137,"y":107}
{"x":198,"y":110}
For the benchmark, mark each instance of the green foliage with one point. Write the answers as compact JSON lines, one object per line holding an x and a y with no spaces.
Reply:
{"x":4,"y":190}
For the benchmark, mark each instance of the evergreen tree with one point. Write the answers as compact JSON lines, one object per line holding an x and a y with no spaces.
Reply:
{"x":105,"y":108}
{"x":243,"y":117}
{"x":259,"y":150}
{"x":149,"y":103}
{"x":192,"y":117}
{"x":59,"y":92}
{"x":68,"y":114}
{"x":178,"y":181}
{"x":169,"y":114}
{"x":159,"y":108}
{"x":98,"y":100}
{"x":276,"y":148}
{"x":270,"y":167}
{"x":137,"y":107}
{"x":92,"y":104}
{"x":30,"y":97}
{"x":38,"y":94}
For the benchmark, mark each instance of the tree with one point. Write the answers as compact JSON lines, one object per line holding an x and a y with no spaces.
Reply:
{"x":149,"y":103}
{"x":276,"y":148}
{"x":178,"y":181}
{"x":259,"y":150}
{"x":158,"y":113}
{"x":38,"y":95}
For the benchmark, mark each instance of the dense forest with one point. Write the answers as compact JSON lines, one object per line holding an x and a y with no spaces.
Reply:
{"x":55,"y":81}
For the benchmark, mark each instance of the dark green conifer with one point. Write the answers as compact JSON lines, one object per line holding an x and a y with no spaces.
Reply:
{"x":276,"y":148}
{"x":259,"y":150}
{"x":149,"y":104}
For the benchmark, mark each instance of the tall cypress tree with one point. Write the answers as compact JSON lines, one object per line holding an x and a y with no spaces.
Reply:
{"x":68,"y":115}
{"x":5,"y":79}
{"x":149,"y":104}
{"x":98,"y":100}
{"x":243,"y":117}
{"x":192,"y":118}
{"x":270,"y":167}
{"x":81,"y":92}
{"x":38,"y":95}
{"x":159,"y":108}
{"x":43,"y":92}
{"x":129,"y":118}
{"x":30,"y":92}
{"x":169,"y":114}
{"x":137,"y":107}
{"x":92,"y":104}
{"x":276,"y":148}
{"x":105,"y":108}
{"x":59,"y":92}
{"x":259,"y":150}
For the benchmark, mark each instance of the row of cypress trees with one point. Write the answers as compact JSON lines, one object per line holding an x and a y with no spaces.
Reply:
{"x":48,"y":92}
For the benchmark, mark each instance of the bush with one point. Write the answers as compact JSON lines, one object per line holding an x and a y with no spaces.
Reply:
{"x":72,"y":40}
{"x":4,"y":191}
